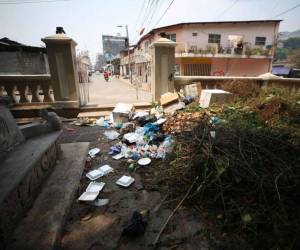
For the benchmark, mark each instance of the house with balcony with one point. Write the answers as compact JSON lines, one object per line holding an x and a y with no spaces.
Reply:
{"x":229,"y":48}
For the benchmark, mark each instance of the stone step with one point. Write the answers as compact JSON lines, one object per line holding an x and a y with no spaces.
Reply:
{"x":41,"y":228}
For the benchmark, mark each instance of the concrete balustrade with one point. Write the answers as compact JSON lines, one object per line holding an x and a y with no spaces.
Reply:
{"x":212,"y":82}
{"x":24,"y":89}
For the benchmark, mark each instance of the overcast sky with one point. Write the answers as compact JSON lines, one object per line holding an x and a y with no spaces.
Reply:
{"x":87,"y":20}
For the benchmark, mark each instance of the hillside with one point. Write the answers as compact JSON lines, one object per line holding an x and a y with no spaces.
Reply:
{"x":286,"y":34}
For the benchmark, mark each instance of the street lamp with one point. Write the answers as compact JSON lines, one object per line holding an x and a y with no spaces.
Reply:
{"x":129,"y":60}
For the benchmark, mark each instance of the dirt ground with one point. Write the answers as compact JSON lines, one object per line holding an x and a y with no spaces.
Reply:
{"x":90,"y":227}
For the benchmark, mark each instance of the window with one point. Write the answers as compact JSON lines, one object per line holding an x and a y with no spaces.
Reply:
{"x":171,"y":37}
{"x":214,"y":38}
{"x":194,"y":34}
{"x":146,"y":46}
{"x":260,"y":40}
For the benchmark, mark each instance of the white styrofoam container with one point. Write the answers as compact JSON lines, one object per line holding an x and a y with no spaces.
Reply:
{"x":94,"y":174}
{"x":210,"y":96}
{"x":106,"y":169}
{"x":125,"y":181}
{"x":95,"y":187}
{"x":88,"y":196}
{"x":122,"y":112}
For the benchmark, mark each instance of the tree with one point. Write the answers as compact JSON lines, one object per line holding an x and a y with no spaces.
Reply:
{"x":281,"y":54}
{"x":294,"y":58}
{"x":292,"y":43}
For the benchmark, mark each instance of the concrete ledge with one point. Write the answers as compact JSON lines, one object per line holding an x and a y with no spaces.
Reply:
{"x":42,"y":227}
{"x":21,"y":174}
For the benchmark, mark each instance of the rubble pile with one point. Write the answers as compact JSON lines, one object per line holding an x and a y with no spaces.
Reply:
{"x":247,"y":170}
{"x":184,"y":121}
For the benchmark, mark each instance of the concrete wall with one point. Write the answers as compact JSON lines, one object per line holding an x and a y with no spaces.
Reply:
{"x":27,"y":63}
{"x":248,"y":30}
{"x":239,"y":66}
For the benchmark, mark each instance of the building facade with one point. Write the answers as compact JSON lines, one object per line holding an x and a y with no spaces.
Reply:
{"x":235,"y":48}
{"x":112,"y":45}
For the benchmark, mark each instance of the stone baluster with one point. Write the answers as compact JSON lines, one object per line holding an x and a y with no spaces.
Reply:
{"x":33,"y":88}
{"x":9,"y":89}
{"x":22,"y":90}
{"x":46,"y":90}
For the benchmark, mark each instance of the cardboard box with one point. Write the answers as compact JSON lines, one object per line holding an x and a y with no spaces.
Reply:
{"x":168,"y":98}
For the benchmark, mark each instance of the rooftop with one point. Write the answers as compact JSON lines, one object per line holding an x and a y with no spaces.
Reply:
{"x":204,"y":23}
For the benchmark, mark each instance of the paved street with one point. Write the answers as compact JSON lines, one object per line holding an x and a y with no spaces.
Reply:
{"x":114,"y":91}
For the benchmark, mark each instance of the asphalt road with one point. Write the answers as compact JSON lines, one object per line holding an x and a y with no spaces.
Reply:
{"x":114,"y":91}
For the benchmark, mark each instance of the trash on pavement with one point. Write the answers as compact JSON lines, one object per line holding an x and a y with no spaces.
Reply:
{"x":215,"y":120}
{"x":93,"y":152}
{"x":157,"y":112}
{"x":132,"y":137}
{"x":118,"y":156}
{"x":125,"y":181}
{"x":99,"y":202}
{"x":94,"y":174}
{"x":210,"y":96}
{"x":160,"y":121}
{"x":101,"y":122}
{"x":95,"y":187}
{"x":88,"y":196}
{"x":111,"y":134}
{"x":144,"y":161}
{"x":170,"y":110}
{"x":122,"y":112}
{"x":213,"y":134}
{"x":140,"y":114}
{"x":168,"y":98}
{"x":127,"y":127}
{"x":131,"y":168}
{"x":115,"y":150}
{"x":191,"y":90}
{"x":106,"y":169}
{"x":188,"y":99}
{"x":135,"y":226}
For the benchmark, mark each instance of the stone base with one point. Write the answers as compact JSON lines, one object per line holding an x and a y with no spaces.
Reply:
{"x":22,"y":172}
{"x":42,"y":226}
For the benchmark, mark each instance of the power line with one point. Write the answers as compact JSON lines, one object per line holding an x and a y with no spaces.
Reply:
{"x":39,"y":1}
{"x":147,"y":14}
{"x":149,"y":8}
{"x":151,"y":18}
{"x":286,"y":11}
{"x":228,"y":8}
{"x":140,"y":12}
{"x":164,"y":13}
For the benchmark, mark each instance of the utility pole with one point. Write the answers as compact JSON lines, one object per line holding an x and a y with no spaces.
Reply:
{"x":129,"y":60}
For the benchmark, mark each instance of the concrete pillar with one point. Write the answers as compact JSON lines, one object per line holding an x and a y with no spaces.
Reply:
{"x":163,"y":66}
{"x":62,"y":63}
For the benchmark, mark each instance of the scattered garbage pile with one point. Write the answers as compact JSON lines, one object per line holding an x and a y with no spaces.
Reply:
{"x":246,"y":169}
{"x":138,"y":137}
